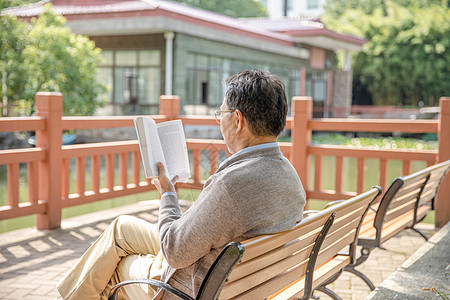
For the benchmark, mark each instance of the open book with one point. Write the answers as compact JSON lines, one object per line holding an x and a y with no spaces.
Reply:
{"x":164,"y":142}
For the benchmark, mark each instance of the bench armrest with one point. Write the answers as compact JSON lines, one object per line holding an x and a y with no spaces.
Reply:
{"x":308,"y":213}
{"x":114,"y":291}
{"x":333,"y":203}
{"x":339,"y":201}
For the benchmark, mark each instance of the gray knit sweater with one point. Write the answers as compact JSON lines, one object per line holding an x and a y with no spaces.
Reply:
{"x":258,"y":192}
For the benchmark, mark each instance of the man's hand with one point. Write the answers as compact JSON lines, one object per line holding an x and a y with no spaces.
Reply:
{"x":163,"y":183}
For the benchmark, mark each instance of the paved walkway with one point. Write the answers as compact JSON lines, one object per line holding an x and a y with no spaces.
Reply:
{"x":32,"y":262}
{"x":426,"y":271}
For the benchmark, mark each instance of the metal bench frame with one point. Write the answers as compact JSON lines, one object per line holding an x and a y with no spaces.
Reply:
{"x":426,"y":183}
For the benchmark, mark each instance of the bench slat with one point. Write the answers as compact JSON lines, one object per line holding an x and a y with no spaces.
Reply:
{"x":400,"y":212}
{"x":262,"y":244}
{"x":409,"y":188}
{"x":422,"y":211}
{"x":334,"y":237}
{"x":392,"y":228}
{"x":299,"y":262}
{"x":400,"y":201}
{"x":272,"y":257}
{"x":320,"y":275}
{"x":327,"y":253}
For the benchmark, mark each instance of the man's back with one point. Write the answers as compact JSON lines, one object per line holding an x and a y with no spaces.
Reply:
{"x":255,"y":193}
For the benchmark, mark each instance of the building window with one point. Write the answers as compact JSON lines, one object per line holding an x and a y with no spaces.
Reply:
{"x":133,"y":78}
{"x":316,"y":87}
{"x":205,"y":75}
{"x":313,"y":4}
{"x":288,"y":4}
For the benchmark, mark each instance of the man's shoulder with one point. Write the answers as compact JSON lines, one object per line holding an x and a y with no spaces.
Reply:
{"x":257,"y":168}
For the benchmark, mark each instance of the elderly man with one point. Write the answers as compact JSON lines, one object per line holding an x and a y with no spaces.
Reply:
{"x":255,"y":191}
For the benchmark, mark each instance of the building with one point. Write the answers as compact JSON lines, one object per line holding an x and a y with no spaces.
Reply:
{"x":160,"y":47}
{"x":293,"y":8}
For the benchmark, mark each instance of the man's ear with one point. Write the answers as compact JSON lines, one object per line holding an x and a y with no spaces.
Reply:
{"x":240,"y":121}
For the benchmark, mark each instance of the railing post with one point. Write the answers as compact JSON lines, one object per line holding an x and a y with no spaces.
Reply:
{"x":49,"y":106}
{"x":301,"y":136}
{"x":169,"y":105}
{"x":442,"y":202}
{"x":302,"y":81}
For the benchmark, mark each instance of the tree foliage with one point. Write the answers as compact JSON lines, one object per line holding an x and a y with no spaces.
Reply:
{"x":232,"y":8}
{"x":44,"y":55}
{"x":337,"y":8}
{"x":11,"y":3}
{"x":12,"y":70}
{"x":406,"y":59}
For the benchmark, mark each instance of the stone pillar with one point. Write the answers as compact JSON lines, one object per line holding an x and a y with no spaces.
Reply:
{"x":169,"y":35}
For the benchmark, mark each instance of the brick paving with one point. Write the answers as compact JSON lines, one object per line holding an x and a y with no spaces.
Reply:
{"x":31,"y":262}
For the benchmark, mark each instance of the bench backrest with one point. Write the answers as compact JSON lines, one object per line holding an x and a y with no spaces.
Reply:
{"x":401,"y":204}
{"x":437,"y":174}
{"x":227,"y":259}
{"x":282,"y":265}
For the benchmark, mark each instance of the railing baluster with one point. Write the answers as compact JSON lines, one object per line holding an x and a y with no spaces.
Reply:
{"x":95,"y":173}
{"x":406,"y":167}
{"x":65,"y":189}
{"x":136,"y":167}
{"x":13,"y":184}
{"x":196,"y":159}
{"x":110,"y":171}
{"x":360,"y":175}
{"x":318,"y":172}
{"x":338,"y":175}
{"x":382,"y":175}
{"x":213,"y":156}
{"x":32,"y":182}
{"x":123,"y":160}
{"x":81,"y":175}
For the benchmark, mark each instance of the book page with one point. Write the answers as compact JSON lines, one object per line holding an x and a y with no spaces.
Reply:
{"x":149,"y":144}
{"x":173,"y":143}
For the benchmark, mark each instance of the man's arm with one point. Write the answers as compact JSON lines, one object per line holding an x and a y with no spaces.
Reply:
{"x":212,"y":221}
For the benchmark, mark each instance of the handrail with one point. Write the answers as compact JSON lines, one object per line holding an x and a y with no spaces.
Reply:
{"x":102,"y":122}
{"x":374,"y":125}
{"x":22,"y":124}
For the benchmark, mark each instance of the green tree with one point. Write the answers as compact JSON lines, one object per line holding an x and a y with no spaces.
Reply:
{"x":11,"y":3}
{"x":53,"y":59}
{"x":232,"y":8}
{"x":337,"y":8}
{"x":406,"y":59}
{"x":12,"y":70}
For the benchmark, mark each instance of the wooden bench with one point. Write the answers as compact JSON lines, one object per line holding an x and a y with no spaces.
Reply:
{"x":286,"y":264}
{"x":404,"y":204}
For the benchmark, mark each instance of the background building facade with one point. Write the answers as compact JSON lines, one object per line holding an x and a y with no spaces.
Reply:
{"x":161,"y":47}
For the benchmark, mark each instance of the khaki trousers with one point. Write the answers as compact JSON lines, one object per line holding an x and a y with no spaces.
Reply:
{"x":128,"y":249}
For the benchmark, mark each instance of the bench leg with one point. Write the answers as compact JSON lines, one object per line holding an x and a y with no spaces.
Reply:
{"x":328,"y":292}
{"x":365,"y":252}
{"x":360,"y":275}
{"x":419,"y":232}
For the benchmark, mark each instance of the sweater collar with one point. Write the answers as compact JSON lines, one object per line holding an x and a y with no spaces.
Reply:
{"x":262,"y":149}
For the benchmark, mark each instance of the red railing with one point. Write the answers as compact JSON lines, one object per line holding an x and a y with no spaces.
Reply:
{"x":49,"y":164}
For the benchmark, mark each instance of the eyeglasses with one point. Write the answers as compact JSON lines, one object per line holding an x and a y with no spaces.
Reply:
{"x":219,"y":113}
